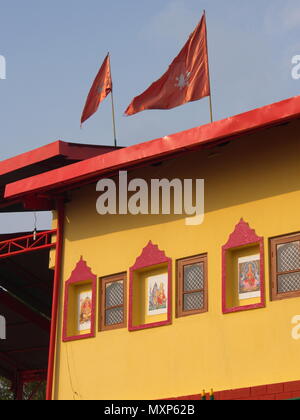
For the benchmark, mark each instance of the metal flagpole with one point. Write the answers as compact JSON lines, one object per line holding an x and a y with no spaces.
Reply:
{"x":113,"y":107}
{"x":210,"y":96}
{"x":211,"y":109}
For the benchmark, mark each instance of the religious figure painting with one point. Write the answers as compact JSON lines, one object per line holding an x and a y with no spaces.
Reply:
{"x":249,"y":277}
{"x":85,"y":311}
{"x":158,"y":294}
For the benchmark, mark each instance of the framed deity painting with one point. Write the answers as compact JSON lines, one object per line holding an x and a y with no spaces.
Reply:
{"x":249,"y":277}
{"x":85,"y":311}
{"x":158,"y":294}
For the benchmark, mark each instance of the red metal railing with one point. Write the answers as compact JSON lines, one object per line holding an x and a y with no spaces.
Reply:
{"x":27,"y":243}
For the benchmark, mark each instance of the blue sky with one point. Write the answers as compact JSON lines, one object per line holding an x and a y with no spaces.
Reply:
{"x":54,"y":49}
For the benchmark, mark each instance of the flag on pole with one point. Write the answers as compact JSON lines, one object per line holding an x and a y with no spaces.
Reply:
{"x":101,"y":88}
{"x":186,"y":80}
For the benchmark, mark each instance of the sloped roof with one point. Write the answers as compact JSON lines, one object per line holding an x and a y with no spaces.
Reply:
{"x":205,"y":136}
{"x":44,"y":159}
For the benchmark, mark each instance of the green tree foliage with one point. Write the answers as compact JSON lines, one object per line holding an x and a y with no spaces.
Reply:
{"x":34,"y":391}
{"x":5,"y":390}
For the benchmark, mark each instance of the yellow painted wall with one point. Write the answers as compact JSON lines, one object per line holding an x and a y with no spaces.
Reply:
{"x":256,"y":177}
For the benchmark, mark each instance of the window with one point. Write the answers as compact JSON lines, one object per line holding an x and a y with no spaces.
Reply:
{"x":80,"y":304}
{"x":285,"y":267}
{"x":192,"y":293}
{"x":113,"y":300}
{"x":243,"y":270}
{"x":150,"y":290}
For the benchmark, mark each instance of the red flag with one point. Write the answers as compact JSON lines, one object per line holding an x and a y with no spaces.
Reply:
{"x":101,"y":87}
{"x":186,"y":80}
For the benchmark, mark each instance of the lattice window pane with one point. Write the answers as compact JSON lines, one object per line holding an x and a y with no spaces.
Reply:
{"x":193,"y":301}
{"x":193,"y":277}
{"x":289,"y":283}
{"x":288,"y":257}
{"x":114,"y":316}
{"x":114,"y":294}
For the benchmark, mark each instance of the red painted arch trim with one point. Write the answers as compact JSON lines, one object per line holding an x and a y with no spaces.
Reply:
{"x":243,"y":235}
{"x":151,"y":256}
{"x":80,"y":274}
{"x":228,"y":128}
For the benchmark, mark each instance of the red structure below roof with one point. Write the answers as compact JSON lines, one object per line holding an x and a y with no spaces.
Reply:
{"x":44,"y":159}
{"x":204,"y":136}
{"x":26,"y":284}
{"x":68,"y":152}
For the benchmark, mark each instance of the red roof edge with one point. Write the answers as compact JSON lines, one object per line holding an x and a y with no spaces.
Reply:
{"x":250,"y":121}
{"x":30,"y":158}
{"x":73,"y":151}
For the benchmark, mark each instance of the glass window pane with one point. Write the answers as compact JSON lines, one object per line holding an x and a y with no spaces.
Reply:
{"x":114,"y":316}
{"x":288,"y":257}
{"x":193,"y":277}
{"x":289,"y":283}
{"x":193,"y":301}
{"x":114,"y":294}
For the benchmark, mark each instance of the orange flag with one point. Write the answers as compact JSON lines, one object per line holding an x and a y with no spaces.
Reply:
{"x":101,"y":88}
{"x":186,"y":80}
